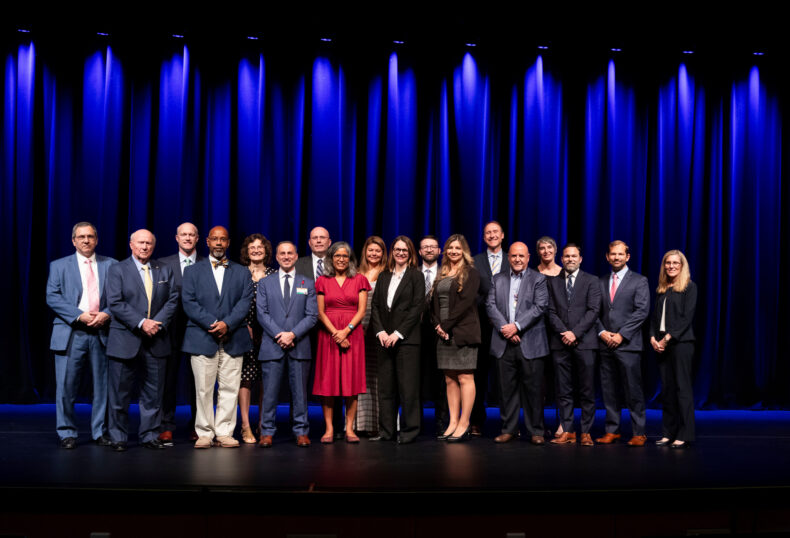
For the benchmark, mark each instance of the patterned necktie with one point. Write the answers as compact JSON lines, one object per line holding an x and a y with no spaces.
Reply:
{"x":494,"y":261}
{"x":569,"y":287}
{"x":427,"y":282}
{"x":93,"y":288}
{"x":614,"y":287}
{"x":149,"y":288}
{"x":287,"y":290}
{"x":319,"y":268}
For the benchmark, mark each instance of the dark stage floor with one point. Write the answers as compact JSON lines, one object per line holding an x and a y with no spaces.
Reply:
{"x":736,"y":478}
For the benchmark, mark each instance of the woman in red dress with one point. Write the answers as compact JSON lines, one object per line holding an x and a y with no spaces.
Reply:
{"x":342,"y":295}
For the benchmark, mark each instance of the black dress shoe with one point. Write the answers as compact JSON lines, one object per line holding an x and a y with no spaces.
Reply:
{"x":102,"y":441}
{"x":406,"y":440}
{"x":681,"y":445}
{"x":154,"y":444}
{"x":458,"y":438}
{"x":661,"y":442}
{"x":119,"y":447}
{"x":68,"y":443}
{"x":377,"y":438}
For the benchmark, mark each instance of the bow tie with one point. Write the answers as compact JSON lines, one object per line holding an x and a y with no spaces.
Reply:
{"x":216,"y":263}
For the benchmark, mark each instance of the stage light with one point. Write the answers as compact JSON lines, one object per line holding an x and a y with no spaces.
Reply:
{"x":326,"y":39}
{"x":397,"y":42}
{"x":616,"y":50}
{"x":23,"y":30}
{"x":102,"y":33}
{"x":543,"y":47}
{"x":688,"y":52}
{"x":471,"y":44}
{"x":756,"y":53}
{"x":252,"y":37}
{"x":178,"y":36}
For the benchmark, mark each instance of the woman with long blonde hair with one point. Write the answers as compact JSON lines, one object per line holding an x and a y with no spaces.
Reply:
{"x":672,"y":337}
{"x":455,"y":318}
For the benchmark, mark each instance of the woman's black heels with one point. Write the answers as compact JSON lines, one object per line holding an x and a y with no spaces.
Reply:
{"x":463,"y":437}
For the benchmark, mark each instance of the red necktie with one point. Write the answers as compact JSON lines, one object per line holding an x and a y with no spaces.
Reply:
{"x":614,"y":287}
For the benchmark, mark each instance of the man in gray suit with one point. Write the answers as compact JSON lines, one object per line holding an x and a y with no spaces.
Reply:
{"x":624,"y":308}
{"x":313,"y":266}
{"x":516,"y":304}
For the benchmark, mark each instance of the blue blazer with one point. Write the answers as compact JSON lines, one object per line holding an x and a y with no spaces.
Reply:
{"x":204,"y":305}
{"x":627,"y":313}
{"x":298,"y":317}
{"x":129,"y":306}
{"x":64,"y":292}
{"x":533,"y":301}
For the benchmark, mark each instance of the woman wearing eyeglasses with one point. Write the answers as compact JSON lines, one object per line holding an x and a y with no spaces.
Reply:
{"x":672,"y":337}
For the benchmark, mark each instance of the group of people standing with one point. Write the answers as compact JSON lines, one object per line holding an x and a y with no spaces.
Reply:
{"x":379,"y":335}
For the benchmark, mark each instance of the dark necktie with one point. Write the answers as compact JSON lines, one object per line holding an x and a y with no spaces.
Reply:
{"x":569,"y":287}
{"x":287,"y":290}
{"x":319,"y":268}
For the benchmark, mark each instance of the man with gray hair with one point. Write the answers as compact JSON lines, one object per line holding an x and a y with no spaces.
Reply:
{"x":75,"y":293}
{"x":143,"y":299}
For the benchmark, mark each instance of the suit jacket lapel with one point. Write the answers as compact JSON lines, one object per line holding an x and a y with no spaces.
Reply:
{"x":74,"y":276}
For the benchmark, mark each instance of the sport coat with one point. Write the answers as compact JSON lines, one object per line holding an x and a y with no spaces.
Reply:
{"x":578,"y":316}
{"x":204,"y":305}
{"x":463,"y":323}
{"x":533,"y":301}
{"x":407,"y":306}
{"x":129,"y":306}
{"x":304,"y":266}
{"x":298,"y":317}
{"x":482,"y":265}
{"x":64,"y":293}
{"x":627,"y":313}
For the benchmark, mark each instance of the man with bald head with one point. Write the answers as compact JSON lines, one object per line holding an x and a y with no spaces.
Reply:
{"x":143,"y":298}
{"x":216,"y":295}
{"x":313,"y":266}
{"x":516,"y":305}
{"x":187,"y":255}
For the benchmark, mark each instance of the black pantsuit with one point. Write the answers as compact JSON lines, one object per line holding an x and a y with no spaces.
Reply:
{"x":677,"y":395}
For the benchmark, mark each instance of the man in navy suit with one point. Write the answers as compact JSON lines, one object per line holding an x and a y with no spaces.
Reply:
{"x":516,"y":305}
{"x":216,"y":295}
{"x":574,"y":303}
{"x":625,"y":307}
{"x":491,"y":262}
{"x":187,"y":239}
{"x":143,"y":299}
{"x":75,"y":292}
{"x":287,"y":309}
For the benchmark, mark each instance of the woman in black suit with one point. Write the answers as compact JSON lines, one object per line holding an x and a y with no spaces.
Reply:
{"x":395,"y":320}
{"x":672,"y":336}
{"x":454,"y":315}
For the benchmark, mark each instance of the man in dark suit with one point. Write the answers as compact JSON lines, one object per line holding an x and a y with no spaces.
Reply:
{"x":489,"y":263}
{"x":313,"y":266}
{"x":76,"y":293}
{"x":143,"y":299}
{"x":434,"y":386}
{"x":186,"y":238}
{"x":624,"y":308}
{"x":287,"y":310}
{"x":516,"y":305}
{"x":216,"y":295}
{"x":574,"y":304}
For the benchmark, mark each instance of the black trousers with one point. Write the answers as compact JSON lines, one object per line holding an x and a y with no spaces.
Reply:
{"x":564,"y":361}
{"x":676,"y":391}
{"x":399,"y":386}
{"x":521,"y":381}
{"x":622,"y":369}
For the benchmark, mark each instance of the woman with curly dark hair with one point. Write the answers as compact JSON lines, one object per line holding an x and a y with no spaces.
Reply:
{"x":256,"y":253}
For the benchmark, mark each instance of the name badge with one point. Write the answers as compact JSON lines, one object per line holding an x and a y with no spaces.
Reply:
{"x":301,"y":291}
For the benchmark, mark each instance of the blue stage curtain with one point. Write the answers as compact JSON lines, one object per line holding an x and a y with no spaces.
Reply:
{"x":687,"y":156}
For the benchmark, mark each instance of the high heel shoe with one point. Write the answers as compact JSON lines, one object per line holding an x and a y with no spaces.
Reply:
{"x":680,"y":445}
{"x":463,"y":437}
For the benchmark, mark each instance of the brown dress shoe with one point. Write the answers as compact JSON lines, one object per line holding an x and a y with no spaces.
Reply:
{"x":562,"y":439}
{"x":638,"y":440}
{"x":608,"y":438}
{"x":505,"y":437}
{"x":587,"y":440}
{"x":265,"y":442}
{"x":537,"y":440}
{"x":303,"y":441}
{"x":572,"y":437}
